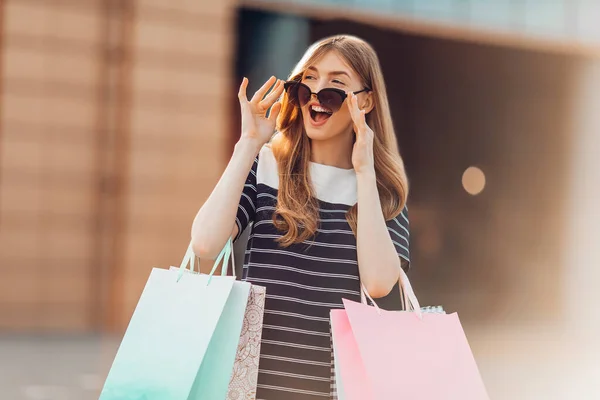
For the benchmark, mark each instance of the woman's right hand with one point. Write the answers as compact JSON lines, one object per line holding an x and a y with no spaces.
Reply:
{"x":255,"y":124}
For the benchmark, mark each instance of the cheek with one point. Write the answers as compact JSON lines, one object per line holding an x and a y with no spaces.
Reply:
{"x":304,"y":111}
{"x":342,"y":116}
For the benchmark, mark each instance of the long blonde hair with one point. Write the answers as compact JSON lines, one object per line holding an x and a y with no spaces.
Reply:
{"x":297,"y":210}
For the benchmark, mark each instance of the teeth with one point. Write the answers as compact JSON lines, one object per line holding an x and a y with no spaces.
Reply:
{"x":321,"y":109}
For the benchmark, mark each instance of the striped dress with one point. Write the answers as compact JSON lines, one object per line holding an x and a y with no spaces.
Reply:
{"x":303,"y":281}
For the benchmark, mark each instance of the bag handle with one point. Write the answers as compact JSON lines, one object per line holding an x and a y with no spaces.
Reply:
{"x":189,"y":260}
{"x":228,"y":249}
{"x":407,"y":295}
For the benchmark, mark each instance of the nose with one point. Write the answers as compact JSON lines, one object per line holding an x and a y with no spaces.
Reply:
{"x":321,"y":84}
{"x":321,"y":87}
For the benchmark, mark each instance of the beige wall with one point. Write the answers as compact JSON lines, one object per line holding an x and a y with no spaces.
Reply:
{"x":47,"y":165}
{"x":114,"y":129}
{"x":105,"y":156}
{"x":179,"y":132}
{"x":581,"y":275}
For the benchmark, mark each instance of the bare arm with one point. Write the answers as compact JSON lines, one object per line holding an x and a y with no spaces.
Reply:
{"x":378,"y":262}
{"x":215,"y":221}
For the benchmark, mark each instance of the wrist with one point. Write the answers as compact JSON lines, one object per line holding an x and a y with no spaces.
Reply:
{"x":366,"y":175}
{"x":248,"y":145}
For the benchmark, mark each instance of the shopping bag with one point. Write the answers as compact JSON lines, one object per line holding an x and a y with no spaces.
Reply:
{"x":244,"y":376}
{"x":416,"y":355}
{"x":182,"y":337}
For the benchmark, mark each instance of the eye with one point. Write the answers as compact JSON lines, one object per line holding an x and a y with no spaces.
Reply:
{"x":337,"y":81}
{"x":309,"y":77}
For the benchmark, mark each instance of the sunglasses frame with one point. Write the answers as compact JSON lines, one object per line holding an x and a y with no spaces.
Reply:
{"x":343,"y":94}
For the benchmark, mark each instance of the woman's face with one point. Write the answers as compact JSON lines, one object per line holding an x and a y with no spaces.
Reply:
{"x":330,"y":72}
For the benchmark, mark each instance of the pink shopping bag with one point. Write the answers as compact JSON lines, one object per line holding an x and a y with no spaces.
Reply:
{"x":385,"y":355}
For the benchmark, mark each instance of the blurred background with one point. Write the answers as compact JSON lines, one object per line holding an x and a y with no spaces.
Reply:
{"x":117,"y":118}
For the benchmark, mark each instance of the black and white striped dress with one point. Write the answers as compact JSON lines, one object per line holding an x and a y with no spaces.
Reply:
{"x":303,"y":281}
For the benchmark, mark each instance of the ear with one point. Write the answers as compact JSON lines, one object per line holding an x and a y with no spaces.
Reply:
{"x":367,"y":102}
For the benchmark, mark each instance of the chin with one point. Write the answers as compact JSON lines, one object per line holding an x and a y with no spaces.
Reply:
{"x":318,"y":133}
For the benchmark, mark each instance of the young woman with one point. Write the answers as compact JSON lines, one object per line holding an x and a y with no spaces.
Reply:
{"x":326,"y":196}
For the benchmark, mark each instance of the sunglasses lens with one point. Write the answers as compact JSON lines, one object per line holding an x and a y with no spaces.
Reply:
{"x":331,"y":98}
{"x":291,"y":88}
{"x":298,"y":93}
{"x":303,"y":94}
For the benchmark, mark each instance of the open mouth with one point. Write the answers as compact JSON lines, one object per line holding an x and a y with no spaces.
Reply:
{"x":319,"y":114}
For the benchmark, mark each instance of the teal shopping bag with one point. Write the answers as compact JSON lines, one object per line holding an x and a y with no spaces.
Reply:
{"x":181,"y":340}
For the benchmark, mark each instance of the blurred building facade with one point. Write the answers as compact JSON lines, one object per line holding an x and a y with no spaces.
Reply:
{"x":118,"y":117}
{"x":568,"y":23}
{"x":114,"y":129}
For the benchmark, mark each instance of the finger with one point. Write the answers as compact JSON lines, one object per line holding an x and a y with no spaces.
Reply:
{"x":350,"y":105}
{"x":273,"y":95}
{"x":274,"y":112}
{"x":242,"y":90}
{"x":363,"y":119}
{"x":360,"y":114}
{"x":260,"y":93}
{"x":355,"y":112}
{"x":277,"y":89}
{"x":351,"y":110}
{"x":270,"y":96}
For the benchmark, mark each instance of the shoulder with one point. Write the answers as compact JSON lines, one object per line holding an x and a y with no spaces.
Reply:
{"x":266,"y":171}
{"x":402,"y":217}
{"x":403,"y":214}
{"x":400,"y":224}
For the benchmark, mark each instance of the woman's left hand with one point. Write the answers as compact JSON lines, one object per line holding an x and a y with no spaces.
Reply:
{"x":362,"y":152}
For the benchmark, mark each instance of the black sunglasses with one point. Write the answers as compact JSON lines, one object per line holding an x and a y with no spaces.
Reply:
{"x":330,"y":98}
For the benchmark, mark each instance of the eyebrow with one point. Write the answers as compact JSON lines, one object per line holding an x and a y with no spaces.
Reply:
{"x":331,"y":73}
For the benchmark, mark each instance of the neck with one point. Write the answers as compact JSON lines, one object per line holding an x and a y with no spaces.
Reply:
{"x":335,"y":151}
